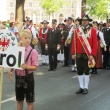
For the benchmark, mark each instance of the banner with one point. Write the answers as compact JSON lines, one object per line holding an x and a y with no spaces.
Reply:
{"x":11,"y":55}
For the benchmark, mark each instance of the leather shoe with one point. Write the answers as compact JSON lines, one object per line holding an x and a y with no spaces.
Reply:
{"x":80,"y":91}
{"x":50,"y":69}
{"x":85,"y":91}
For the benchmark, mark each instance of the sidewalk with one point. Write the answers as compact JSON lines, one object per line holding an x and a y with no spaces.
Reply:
{"x":39,"y":59}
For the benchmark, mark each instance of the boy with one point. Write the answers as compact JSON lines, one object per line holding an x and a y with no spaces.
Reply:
{"x":24,"y":78}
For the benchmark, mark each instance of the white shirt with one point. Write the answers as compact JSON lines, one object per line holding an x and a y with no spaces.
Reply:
{"x":71,"y":32}
{"x":101,"y":36}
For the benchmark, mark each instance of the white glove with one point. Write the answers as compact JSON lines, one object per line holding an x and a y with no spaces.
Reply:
{"x":46,"y":47}
{"x":58,"y":47}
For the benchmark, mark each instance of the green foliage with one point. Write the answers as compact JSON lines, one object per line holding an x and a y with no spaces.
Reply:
{"x":100,"y":9}
{"x":51,"y":6}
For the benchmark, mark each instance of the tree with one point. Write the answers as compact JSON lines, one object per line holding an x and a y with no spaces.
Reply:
{"x":20,"y":11}
{"x":83,"y":9}
{"x":100,"y":8}
{"x":51,"y":6}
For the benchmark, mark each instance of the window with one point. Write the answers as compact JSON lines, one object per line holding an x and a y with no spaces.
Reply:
{"x":30,"y":4}
{"x":11,"y":4}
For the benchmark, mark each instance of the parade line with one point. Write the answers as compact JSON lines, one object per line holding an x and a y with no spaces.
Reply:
{"x":7,"y":100}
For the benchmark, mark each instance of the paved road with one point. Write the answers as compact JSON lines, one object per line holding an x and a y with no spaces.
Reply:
{"x":56,"y":91}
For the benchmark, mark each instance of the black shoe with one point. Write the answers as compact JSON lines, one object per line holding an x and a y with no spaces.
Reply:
{"x":92,"y":71}
{"x":58,"y":61}
{"x":95,"y":71}
{"x":107,"y":68}
{"x":80,"y":91}
{"x":85,"y":91}
{"x":50,"y":69}
{"x":61,"y":61}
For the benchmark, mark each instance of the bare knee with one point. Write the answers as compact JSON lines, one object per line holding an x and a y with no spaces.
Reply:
{"x":20,"y":102}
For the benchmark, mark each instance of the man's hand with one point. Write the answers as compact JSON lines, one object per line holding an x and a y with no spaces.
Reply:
{"x":105,"y":49}
{"x":24,"y":66}
{"x":91,"y":57}
{"x":10,"y":74}
{"x":58,"y":48}
{"x":46,"y":47}
{"x":74,"y":57}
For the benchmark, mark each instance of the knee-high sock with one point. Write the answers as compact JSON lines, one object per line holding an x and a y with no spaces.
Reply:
{"x":58,"y":56}
{"x":43,"y":58}
{"x":86,"y":81}
{"x":81,"y":81}
{"x":62,"y":57}
{"x":47,"y":59}
{"x":73,"y":67}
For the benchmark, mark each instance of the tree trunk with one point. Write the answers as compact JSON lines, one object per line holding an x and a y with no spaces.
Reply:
{"x":20,"y":12}
{"x":83,"y":9}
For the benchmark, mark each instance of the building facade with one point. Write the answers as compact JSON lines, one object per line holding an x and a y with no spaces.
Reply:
{"x":36,"y":13}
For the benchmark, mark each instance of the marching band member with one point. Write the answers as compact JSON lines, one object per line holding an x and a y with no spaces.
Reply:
{"x":107,"y":40}
{"x":29,"y":26}
{"x":43,"y":36}
{"x":77,"y":24}
{"x":53,"y":42}
{"x":60,"y":56}
{"x":69,"y":25}
{"x":101,"y":44}
{"x":84,"y":47}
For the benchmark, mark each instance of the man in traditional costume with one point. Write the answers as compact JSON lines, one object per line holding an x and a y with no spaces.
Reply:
{"x":84,"y":48}
{"x":60,"y":56}
{"x":53,"y":43}
{"x":42,"y":37}
{"x":69,"y":25}
{"x":29,"y":26}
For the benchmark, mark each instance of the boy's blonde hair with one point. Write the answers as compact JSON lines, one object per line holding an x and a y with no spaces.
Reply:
{"x":25,"y":32}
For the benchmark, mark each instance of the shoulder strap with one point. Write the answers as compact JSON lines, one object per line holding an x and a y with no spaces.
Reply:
{"x":28,"y":55}
{"x":27,"y":60}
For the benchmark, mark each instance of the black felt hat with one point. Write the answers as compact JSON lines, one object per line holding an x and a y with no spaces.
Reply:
{"x":95,"y":22}
{"x":62,"y":23}
{"x":45,"y":21}
{"x":77,"y":19}
{"x":69,"y":18}
{"x":54,"y":21}
{"x":66,"y":19}
{"x":85,"y":17}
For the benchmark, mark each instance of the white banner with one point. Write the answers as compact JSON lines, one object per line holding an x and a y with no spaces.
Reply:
{"x":12,"y":58}
{"x":11,"y":55}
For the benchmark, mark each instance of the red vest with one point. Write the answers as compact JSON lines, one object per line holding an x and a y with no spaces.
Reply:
{"x":92,"y":41}
{"x":40,"y":35}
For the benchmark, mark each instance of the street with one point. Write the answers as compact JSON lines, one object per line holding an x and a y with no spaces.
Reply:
{"x":55,"y":90}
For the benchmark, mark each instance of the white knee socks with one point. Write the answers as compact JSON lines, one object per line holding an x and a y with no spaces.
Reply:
{"x":83,"y":81}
